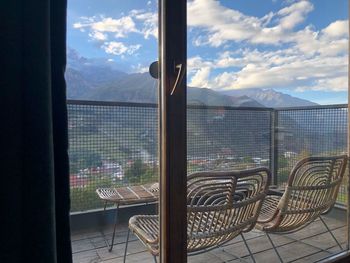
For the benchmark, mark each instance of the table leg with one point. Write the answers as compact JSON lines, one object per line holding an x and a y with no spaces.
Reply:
{"x":114,"y":228}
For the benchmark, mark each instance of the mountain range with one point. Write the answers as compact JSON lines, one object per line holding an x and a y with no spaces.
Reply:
{"x":270,"y":97}
{"x":97,"y":79}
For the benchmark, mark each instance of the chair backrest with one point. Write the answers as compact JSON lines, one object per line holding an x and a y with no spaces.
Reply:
{"x":312,"y":190}
{"x":221,"y":205}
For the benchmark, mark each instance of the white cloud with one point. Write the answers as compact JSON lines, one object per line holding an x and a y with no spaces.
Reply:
{"x":294,"y":14}
{"x":253,"y":76}
{"x":118,"y":48}
{"x":330,"y":41}
{"x":99,"y":36}
{"x":100,"y":24}
{"x":200,"y":78}
{"x":196,"y":63}
{"x":101,"y":28}
{"x":297,"y":59}
{"x":221,"y":24}
{"x":334,"y":84}
{"x":339,"y":28}
{"x":149,"y":22}
{"x":284,"y":68}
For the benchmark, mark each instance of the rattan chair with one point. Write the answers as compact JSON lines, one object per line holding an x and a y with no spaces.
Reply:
{"x":311,"y":192}
{"x":220,"y":206}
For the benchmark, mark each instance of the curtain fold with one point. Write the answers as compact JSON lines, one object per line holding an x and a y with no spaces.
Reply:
{"x":36,"y":185}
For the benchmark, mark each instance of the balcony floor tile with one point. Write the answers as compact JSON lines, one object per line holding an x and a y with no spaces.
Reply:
{"x":90,"y":247}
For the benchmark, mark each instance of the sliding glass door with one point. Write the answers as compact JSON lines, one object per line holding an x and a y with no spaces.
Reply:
{"x":243,"y":95}
{"x":266,"y":130}
{"x":267,"y":97}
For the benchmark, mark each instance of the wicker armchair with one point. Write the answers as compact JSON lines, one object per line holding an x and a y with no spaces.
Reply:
{"x":220,"y":206}
{"x":311,"y":191}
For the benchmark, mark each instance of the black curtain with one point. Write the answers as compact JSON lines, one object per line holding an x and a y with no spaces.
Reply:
{"x":34,"y":166}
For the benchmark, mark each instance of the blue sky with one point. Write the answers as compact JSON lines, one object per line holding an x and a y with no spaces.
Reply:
{"x":297,"y":47}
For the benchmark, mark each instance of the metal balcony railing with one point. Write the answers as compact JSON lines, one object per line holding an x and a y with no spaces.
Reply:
{"x":114,"y":144}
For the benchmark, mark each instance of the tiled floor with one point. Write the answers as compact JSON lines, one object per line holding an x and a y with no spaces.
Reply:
{"x":308,"y":245}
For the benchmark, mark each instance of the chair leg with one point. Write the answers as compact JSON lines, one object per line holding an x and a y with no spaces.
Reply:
{"x":274,"y":247}
{"x":324,"y":223}
{"x":126,"y":245}
{"x":114,"y":228}
{"x":246,"y":244}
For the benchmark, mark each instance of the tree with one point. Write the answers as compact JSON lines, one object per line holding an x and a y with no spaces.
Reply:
{"x":282,"y":162}
{"x":139,"y":173}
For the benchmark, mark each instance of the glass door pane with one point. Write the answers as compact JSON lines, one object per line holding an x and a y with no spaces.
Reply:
{"x":113,"y":125}
{"x":267,"y":98}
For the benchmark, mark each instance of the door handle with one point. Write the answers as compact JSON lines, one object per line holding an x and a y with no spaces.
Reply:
{"x":153,"y":70}
{"x":180,"y":74}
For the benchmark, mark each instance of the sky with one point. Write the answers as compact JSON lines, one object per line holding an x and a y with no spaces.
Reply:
{"x":296,"y":47}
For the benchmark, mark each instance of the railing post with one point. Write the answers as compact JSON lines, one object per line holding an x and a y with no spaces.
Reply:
{"x":274,"y":147}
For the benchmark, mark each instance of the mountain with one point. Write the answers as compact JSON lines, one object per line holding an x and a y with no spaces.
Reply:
{"x":90,"y":81}
{"x":101,"y":79}
{"x":270,"y":97}
{"x":87,"y":84}
{"x":213,"y":98}
{"x":95,"y":71}
{"x":140,"y":87}
{"x":77,"y":85}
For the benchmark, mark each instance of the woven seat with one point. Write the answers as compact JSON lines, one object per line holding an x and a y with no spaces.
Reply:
{"x":220,"y":206}
{"x":147,"y":228}
{"x":311,"y":191}
{"x":268,"y":208}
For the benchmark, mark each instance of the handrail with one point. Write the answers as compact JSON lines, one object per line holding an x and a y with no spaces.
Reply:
{"x":110,"y":103}
{"x":313,"y":107}
{"x":154,"y":105}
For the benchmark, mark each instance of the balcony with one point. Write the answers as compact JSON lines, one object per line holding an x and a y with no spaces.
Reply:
{"x":89,"y":245}
{"x":115,"y":144}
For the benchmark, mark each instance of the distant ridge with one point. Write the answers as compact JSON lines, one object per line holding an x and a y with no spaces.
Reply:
{"x":270,"y":97}
{"x":140,"y":87}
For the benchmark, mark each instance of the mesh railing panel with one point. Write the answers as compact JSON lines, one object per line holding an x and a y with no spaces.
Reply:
{"x":310,"y":131}
{"x":110,"y":145}
{"x":115,"y":144}
{"x":227,"y":138}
